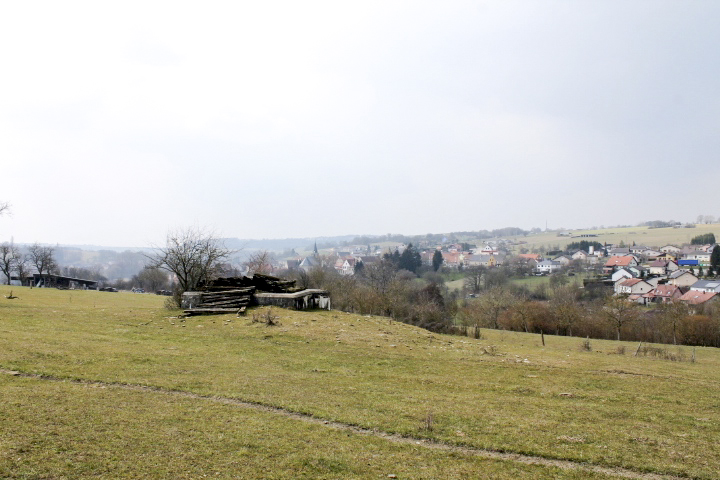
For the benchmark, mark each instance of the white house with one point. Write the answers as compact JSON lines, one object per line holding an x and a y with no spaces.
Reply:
{"x":706,"y":286}
{"x":662,"y":267}
{"x":626,"y":272}
{"x":563,"y":260}
{"x":621,"y":274}
{"x":548,"y":266}
{"x":633,"y":286}
{"x":682,"y":278}
{"x":580,"y":255}
{"x":703,"y":258}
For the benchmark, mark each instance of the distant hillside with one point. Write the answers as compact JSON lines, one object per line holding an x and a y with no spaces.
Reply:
{"x":282,"y":244}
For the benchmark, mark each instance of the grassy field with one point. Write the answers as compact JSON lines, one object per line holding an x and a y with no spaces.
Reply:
{"x":504,"y":393}
{"x":656,"y":237}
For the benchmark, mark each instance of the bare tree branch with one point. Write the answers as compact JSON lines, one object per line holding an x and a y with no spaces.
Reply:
{"x":43,"y":258}
{"x":192,"y":255}
{"x":9,"y":256}
{"x":260,"y":262}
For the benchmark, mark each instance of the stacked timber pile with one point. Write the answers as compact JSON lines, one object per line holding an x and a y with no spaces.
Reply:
{"x":263,"y":283}
{"x":215,"y":302}
{"x":233,"y":294}
{"x":266,"y":283}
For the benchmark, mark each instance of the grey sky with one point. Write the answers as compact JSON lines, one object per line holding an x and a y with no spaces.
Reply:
{"x":285,"y":119}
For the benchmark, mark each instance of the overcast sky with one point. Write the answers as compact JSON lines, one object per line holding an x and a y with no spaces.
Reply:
{"x":120,"y":121}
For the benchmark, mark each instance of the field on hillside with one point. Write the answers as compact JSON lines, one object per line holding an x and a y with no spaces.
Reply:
{"x":657,"y":237}
{"x":112,"y":385}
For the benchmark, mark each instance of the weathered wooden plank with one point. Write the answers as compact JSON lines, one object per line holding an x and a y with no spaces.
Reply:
{"x":210,"y":311}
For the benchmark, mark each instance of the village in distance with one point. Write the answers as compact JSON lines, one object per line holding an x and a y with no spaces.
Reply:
{"x":657,"y":281}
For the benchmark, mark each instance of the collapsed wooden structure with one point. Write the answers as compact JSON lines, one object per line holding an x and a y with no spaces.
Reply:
{"x":235,"y":294}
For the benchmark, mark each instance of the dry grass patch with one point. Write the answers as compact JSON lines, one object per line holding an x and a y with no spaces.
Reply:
{"x":67,"y":430}
{"x":379,"y":374}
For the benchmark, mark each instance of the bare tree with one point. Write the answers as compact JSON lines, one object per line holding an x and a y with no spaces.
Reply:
{"x":151,"y":279}
{"x":260,"y":262}
{"x":22,"y":266}
{"x":566,"y":307}
{"x":4,"y":208}
{"x":486,"y":310}
{"x":473,"y":282}
{"x":9,"y":254}
{"x":42,"y":258}
{"x":523,"y":311}
{"x":672,"y":314}
{"x":618,"y":311}
{"x":192,"y":255}
{"x":380,"y":275}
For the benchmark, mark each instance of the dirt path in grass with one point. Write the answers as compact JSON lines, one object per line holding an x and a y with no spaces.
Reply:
{"x":485,"y":453}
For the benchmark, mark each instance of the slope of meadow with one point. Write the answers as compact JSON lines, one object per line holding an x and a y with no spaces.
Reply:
{"x":505,"y":392}
{"x":649,"y":237}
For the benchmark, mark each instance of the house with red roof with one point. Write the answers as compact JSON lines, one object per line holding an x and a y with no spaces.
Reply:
{"x":453,"y":260}
{"x":664,"y":293}
{"x":615,"y":262}
{"x":699,"y":298}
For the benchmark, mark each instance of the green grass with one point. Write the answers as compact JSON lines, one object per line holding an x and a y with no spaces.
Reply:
{"x":641,"y":413}
{"x":455,"y":284}
{"x":66,"y":430}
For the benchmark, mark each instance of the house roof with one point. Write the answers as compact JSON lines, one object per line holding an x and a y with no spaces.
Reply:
{"x":710,"y":284}
{"x":451,"y":257}
{"x":666,"y":290}
{"x":368,"y":259}
{"x":694,"y":298}
{"x":309,"y":262}
{"x":547,"y":263}
{"x":616,"y":261}
{"x":627,"y":271}
{"x":631,"y":281}
{"x":660,"y":263}
{"x":679,"y":273}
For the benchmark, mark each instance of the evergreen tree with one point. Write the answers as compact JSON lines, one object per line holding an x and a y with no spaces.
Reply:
{"x":359,"y":267}
{"x":703,"y":239}
{"x":410,"y":259}
{"x":393,"y":258}
{"x":437,"y":260}
{"x":715,"y":259}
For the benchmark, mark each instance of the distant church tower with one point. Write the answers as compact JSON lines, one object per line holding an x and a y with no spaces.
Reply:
{"x":315,"y":251}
